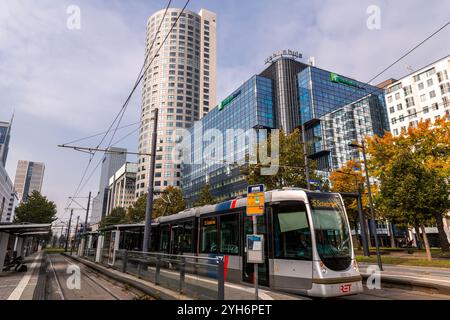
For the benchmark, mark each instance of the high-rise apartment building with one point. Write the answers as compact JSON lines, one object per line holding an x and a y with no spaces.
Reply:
{"x":181,"y":83}
{"x":29,"y":178}
{"x":422,"y":95}
{"x":112,"y":161}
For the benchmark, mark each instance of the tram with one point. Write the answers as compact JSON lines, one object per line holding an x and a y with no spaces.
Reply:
{"x":308,"y":248}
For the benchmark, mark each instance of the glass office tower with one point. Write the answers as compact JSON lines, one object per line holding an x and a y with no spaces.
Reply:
{"x":334,"y":109}
{"x":248,"y":107}
{"x":322,"y":94}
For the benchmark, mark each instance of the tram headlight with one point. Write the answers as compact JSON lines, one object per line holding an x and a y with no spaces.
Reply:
{"x":323,"y":268}
{"x":355,"y":265}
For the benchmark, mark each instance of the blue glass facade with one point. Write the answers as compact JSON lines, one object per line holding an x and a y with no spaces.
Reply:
{"x":322,"y":93}
{"x":334,"y":109}
{"x":250,"y":106}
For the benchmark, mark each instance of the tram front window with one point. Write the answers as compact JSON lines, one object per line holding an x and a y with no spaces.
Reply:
{"x":292,"y":235}
{"x":331,"y":230}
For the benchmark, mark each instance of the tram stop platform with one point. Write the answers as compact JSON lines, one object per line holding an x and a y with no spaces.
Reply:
{"x":21,"y":240}
{"x":233,"y":291}
{"x":28,"y":285}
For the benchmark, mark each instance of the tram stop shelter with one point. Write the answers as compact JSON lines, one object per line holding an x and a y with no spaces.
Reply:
{"x":20,"y":238}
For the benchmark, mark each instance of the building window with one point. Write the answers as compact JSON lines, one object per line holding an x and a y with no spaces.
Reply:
{"x":432,"y":94}
{"x":391,"y":110}
{"x":407,"y":90}
{"x":421,"y":86}
{"x":399,"y":107}
{"x":409,"y":102}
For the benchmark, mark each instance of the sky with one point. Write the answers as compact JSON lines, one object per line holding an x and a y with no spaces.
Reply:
{"x":64,"y":84}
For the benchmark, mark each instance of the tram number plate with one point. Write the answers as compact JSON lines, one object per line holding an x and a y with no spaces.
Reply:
{"x":346,"y":288}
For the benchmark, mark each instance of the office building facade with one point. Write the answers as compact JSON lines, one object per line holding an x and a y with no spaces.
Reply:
{"x":287,"y":95}
{"x":112,"y":161}
{"x":5,"y":136}
{"x":422,"y":95}
{"x":122,"y":187}
{"x":323,"y":96}
{"x":29,"y":178}
{"x":181,"y":83}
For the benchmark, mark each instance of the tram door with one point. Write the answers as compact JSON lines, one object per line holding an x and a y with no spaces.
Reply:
{"x":248,"y":268}
{"x":176,"y":239}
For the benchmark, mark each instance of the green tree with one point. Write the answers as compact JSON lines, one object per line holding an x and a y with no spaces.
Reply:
{"x":136,"y":212}
{"x":171,"y":201}
{"x":418,"y":194}
{"x":205,"y":197}
{"x":116,"y":216}
{"x":37,"y":209}
{"x":427,"y":148}
{"x":291,"y":166}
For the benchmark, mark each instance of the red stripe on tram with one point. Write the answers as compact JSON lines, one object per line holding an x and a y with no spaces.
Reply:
{"x":233,"y":204}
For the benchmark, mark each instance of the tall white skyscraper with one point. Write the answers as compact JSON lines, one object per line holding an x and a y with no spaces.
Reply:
{"x":29,"y":178}
{"x":181,"y":82}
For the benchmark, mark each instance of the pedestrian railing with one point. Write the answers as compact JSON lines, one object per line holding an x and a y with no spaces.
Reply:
{"x":194,"y":276}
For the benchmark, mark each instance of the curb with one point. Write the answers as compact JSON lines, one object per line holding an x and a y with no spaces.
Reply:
{"x":412,"y":284}
{"x":157,"y":293}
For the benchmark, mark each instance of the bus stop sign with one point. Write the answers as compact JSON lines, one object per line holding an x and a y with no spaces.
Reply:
{"x":255,"y":200}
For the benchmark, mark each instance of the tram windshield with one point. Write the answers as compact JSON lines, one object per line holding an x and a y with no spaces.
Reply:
{"x":331,"y":230}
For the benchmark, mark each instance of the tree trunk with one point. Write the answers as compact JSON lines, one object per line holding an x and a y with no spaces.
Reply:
{"x":418,"y":240}
{"x":445,"y":246}
{"x":391,"y":231}
{"x":427,"y":244}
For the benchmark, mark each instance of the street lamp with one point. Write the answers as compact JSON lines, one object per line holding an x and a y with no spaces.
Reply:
{"x":362,"y":219}
{"x":372,"y":211}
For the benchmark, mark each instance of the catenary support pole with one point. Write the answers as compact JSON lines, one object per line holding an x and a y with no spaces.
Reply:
{"x":151,"y":177}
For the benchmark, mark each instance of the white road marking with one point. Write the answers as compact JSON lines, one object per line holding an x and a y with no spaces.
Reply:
{"x":18,"y":291}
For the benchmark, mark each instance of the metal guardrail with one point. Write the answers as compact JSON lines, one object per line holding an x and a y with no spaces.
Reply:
{"x":171,"y":271}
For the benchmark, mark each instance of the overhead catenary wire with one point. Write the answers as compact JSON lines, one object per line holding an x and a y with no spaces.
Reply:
{"x":122,"y":110}
{"x":140,"y":77}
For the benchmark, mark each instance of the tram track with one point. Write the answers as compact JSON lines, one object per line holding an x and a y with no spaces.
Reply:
{"x":91,"y":286}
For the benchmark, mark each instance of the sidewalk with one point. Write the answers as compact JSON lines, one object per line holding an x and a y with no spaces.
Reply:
{"x":431,"y":278}
{"x":24,"y":285}
{"x":204,"y":287}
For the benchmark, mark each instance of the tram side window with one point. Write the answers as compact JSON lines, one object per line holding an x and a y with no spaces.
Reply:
{"x":209,"y":235}
{"x":292,"y":235}
{"x":187,"y":237}
{"x":229,"y":234}
{"x":164,"y":239}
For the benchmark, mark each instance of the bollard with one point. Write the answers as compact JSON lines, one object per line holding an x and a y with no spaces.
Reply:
{"x":220,"y":279}
{"x":158,"y":267}
{"x":182,"y":274}
{"x":124,"y":260}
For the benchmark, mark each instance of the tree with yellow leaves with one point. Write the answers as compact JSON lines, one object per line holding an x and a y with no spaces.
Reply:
{"x":413,"y":169}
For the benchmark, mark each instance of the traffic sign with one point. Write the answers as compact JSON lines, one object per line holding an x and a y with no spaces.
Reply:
{"x":255,"y":200}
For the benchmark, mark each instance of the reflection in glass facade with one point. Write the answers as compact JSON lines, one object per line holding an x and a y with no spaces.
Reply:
{"x":250,"y":106}
{"x":324,"y":94}
{"x":334,"y":109}
{"x":353,"y":122}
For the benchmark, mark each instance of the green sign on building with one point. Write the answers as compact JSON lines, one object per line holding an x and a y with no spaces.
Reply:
{"x":228,"y":100}
{"x":338,"y":79}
